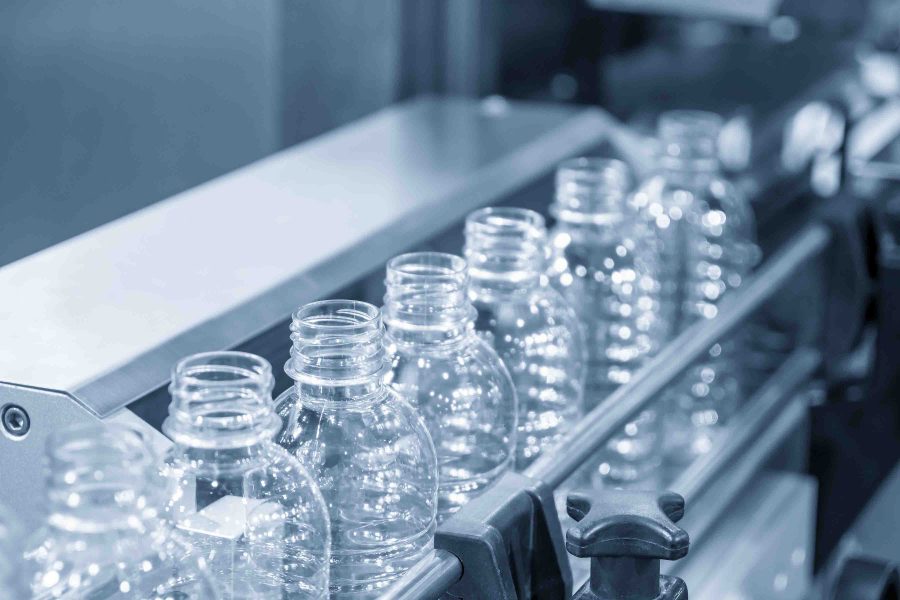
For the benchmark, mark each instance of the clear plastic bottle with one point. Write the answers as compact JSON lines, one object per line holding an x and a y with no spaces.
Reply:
{"x":368,"y":448}
{"x":529,"y":324}
{"x":605,"y":262}
{"x":12,"y":584}
{"x":707,"y":234}
{"x":455,"y":379}
{"x":103,"y":538}
{"x":246,"y":504}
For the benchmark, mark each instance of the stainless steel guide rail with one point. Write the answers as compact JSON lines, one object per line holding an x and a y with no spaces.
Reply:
{"x":440,"y":570}
{"x":761,"y":411}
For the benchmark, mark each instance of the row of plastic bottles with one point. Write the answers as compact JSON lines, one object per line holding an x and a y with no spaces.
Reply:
{"x":400,"y":416}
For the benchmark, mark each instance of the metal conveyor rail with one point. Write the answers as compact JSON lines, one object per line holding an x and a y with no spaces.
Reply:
{"x":434,"y":575}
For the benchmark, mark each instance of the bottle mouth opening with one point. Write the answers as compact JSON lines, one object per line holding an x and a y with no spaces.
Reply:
{"x":335,"y":340}
{"x":592,"y":176}
{"x":594,"y":171}
{"x":98,"y":444}
{"x":220,"y":395}
{"x":100,"y":478}
{"x":340,"y":318}
{"x":505,"y":245}
{"x":427,"y":266}
{"x":689,"y":123}
{"x":505,"y":222}
{"x":591,"y":190}
{"x":220,"y":370}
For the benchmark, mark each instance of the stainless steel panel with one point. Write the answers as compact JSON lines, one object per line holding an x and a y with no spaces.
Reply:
{"x":429,"y":579}
{"x":103,"y":316}
{"x":22,"y":458}
{"x":763,"y":549}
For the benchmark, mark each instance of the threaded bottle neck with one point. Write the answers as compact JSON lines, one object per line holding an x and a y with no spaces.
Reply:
{"x":427,"y":298}
{"x":592,"y":191}
{"x":221,"y":400}
{"x":506,"y":248}
{"x":99,"y":479}
{"x":689,"y":141}
{"x":337,"y":351}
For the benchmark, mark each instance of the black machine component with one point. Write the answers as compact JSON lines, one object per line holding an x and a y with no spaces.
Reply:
{"x":510,"y":544}
{"x":863,"y":578}
{"x":626,"y":533}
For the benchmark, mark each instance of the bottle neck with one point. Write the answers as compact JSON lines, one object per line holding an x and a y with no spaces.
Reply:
{"x":100,"y":480}
{"x":689,"y":145}
{"x":221,"y":400}
{"x":427,"y":299}
{"x":592,"y":192}
{"x":506,"y":250}
{"x":337,"y":353}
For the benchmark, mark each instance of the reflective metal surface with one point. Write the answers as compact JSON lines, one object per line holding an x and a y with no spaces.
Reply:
{"x":103,"y":316}
{"x":762,"y":548}
{"x":429,"y":579}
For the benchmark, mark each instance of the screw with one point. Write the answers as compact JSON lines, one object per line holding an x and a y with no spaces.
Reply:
{"x":16,"y":421}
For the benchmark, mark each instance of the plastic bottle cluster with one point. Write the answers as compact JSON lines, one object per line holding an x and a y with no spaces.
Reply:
{"x":475,"y":365}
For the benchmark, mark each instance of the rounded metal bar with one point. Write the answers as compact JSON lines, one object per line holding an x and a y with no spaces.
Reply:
{"x":428,"y":579}
{"x":613,"y":413}
{"x":762,"y":408}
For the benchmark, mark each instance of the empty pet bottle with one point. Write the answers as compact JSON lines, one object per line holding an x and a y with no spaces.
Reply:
{"x":707,"y":234}
{"x":451,"y":375}
{"x":529,"y":324}
{"x":251,"y":508}
{"x":103,"y":538}
{"x":368,"y":448}
{"x":12,"y":586}
{"x":605,"y":263}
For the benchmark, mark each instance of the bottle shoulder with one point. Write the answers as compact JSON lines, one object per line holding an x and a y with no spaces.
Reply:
{"x":544,"y":317}
{"x":464,"y":361}
{"x":390,"y":418}
{"x":712,"y":192}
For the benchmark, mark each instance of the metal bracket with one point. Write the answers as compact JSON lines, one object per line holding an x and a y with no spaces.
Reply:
{"x":510,"y":543}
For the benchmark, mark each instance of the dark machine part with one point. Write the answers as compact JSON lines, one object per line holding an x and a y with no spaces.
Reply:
{"x":864,"y":578}
{"x":626,"y":533}
{"x":510,"y":544}
{"x":885,"y":376}
{"x":856,"y":433}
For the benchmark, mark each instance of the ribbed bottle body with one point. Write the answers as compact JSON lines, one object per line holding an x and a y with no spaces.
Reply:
{"x":528,"y":323}
{"x":457,"y":381}
{"x":250,"y":508}
{"x":707,"y":234}
{"x":103,"y":538}
{"x":367,"y":448}
{"x":605,"y":262}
